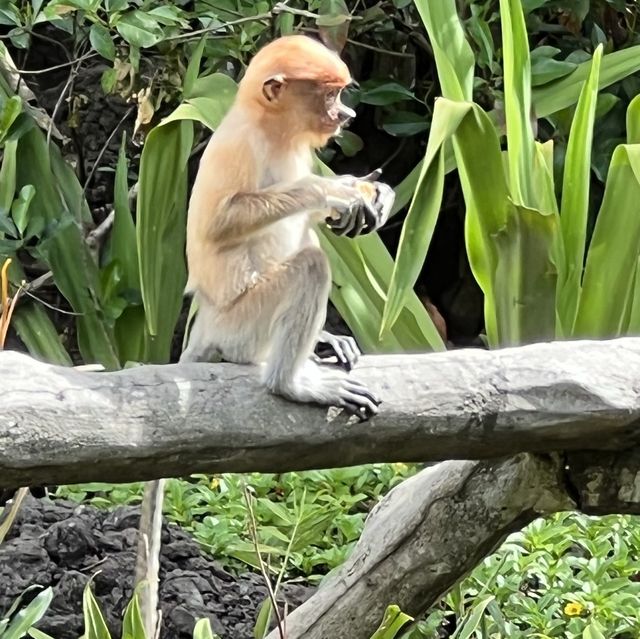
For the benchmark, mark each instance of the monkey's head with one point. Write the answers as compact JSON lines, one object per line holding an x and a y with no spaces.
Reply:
{"x":296,"y":83}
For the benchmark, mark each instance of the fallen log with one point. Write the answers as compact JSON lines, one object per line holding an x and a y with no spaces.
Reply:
{"x":61,"y":425}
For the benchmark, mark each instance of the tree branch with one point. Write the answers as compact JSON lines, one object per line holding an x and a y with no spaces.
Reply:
{"x":60,"y":425}
{"x":435,"y":527}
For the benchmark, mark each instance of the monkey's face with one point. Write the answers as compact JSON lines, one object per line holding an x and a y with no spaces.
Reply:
{"x":315,"y":109}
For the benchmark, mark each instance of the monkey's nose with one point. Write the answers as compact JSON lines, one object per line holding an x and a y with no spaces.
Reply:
{"x":345,"y":114}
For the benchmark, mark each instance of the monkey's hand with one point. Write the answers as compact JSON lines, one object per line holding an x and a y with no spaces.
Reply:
{"x":342,"y":347}
{"x":360,"y":205}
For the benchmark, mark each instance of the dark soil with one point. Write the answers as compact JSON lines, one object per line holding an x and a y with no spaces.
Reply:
{"x":62,"y":544}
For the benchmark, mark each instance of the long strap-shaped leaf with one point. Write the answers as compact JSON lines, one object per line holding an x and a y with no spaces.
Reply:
{"x":575,"y":197}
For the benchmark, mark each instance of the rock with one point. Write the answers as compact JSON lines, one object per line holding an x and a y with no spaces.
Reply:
{"x":57,"y":543}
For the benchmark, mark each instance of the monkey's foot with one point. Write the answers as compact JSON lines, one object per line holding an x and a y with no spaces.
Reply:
{"x":342,"y":347}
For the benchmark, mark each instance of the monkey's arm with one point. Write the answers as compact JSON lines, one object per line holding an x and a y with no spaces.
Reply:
{"x":241,"y":214}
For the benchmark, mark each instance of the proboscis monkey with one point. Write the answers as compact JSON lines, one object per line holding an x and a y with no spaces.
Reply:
{"x":256,"y":270}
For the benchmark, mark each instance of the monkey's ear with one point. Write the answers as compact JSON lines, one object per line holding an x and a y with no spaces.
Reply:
{"x":272,"y":87}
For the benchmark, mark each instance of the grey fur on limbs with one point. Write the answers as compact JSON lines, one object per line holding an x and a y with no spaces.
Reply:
{"x":60,"y":425}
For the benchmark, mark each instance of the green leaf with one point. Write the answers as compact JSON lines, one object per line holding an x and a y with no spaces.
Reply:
{"x":11,"y":109}
{"x":385,"y":94}
{"x":122,"y":245}
{"x":420,"y":222}
{"x":20,"y":207}
{"x":193,"y":69}
{"x":545,"y":70}
{"x":575,"y":197}
{"x":202,"y":630}
{"x":8,"y":176}
{"x":38,"y":333}
{"x":139,"y":30}
{"x":95,"y":626}
{"x":404,"y":123}
{"x":472,"y":620}
{"x":565,"y":92}
{"x":75,"y":272}
{"x":592,"y":631}
{"x":261,"y":628}
{"x":29,"y":615}
{"x":116,"y":5}
{"x":34,"y":633}
{"x":132,"y":623}
{"x":350,"y":143}
{"x":101,"y":41}
{"x":454,"y":58}
{"x":633,"y":121}
{"x":393,"y":621}
{"x":609,"y":273}
{"x":517,"y":101}
{"x":161,"y":219}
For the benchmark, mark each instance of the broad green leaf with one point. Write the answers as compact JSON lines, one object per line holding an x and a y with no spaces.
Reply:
{"x":101,"y":41}
{"x":161,"y":220}
{"x":454,"y":58}
{"x":593,"y":631}
{"x":404,"y":123}
{"x":139,"y":30}
{"x":69,"y":187}
{"x":130,"y":328}
{"x":575,"y":197}
{"x":513,"y":251}
{"x":385,"y":94}
{"x":261,"y":627}
{"x":8,"y":176}
{"x":20,"y":207}
{"x":545,"y":70}
{"x":11,"y":109}
{"x":202,"y":630}
{"x":38,"y":333}
{"x":517,"y":100}
{"x":29,"y":615}
{"x":471,"y":622}
{"x":132,"y":623}
{"x":34,"y":633}
{"x":349,"y":143}
{"x":487,"y":208}
{"x":565,"y":92}
{"x":64,"y":250}
{"x":393,"y":621}
{"x":122,"y":245}
{"x":609,"y":274}
{"x":420,"y":222}
{"x":633,"y":121}
{"x":193,"y":69}
{"x":95,"y":626}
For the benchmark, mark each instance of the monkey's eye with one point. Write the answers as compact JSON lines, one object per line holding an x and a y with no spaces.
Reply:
{"x":332,"y":94}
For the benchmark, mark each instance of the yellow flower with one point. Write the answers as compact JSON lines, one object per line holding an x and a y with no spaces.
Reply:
{"x":215,"y":482}
{"x":573,"y":609}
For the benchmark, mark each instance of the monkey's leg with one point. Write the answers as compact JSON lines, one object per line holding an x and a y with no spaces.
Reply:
{"x":286,"y":311}
{"x":342,"y":347}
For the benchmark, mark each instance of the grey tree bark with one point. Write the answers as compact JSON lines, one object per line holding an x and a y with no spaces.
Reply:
{"x":61,"y":425}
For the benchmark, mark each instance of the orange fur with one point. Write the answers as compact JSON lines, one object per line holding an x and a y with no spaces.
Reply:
{"x":258,"y":144}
